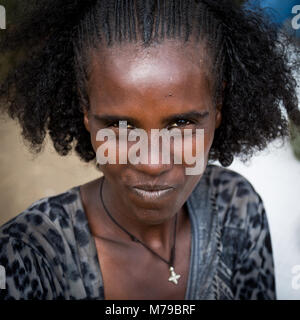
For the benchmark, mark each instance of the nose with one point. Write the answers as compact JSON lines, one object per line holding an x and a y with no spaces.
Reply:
{"x":148,"y":165}
{"x":153,"y":169}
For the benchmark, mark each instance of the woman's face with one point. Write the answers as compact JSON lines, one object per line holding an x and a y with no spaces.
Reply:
{"x":149,"y":88}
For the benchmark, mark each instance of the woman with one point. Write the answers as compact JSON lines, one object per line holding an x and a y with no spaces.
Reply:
{"x":145,"y":230}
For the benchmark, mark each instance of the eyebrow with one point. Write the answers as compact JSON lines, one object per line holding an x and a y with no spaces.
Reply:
{"x":194,"y":114}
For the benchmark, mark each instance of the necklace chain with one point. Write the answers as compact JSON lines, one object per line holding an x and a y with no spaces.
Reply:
{"x":133,"y":238}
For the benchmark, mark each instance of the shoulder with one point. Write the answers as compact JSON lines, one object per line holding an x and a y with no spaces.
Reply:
{"x":37,"y":247}
{"x":223,"y":180}
{"x":246,"y":266}
{"x":235,"y":198}
{"x":44,"y":224}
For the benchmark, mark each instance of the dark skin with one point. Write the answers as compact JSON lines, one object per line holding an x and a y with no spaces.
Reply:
{"x":149,"y":86}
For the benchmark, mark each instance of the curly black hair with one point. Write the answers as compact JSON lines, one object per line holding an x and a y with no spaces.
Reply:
{"x":46,"y":89}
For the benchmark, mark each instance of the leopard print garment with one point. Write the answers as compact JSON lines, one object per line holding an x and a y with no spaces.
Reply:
{"x":48,"y":250}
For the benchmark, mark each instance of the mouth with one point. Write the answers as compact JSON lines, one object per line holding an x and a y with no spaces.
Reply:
{"x":152,"y":192}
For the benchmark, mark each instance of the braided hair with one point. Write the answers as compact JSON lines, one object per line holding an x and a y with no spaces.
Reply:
{"x":46,"y":90}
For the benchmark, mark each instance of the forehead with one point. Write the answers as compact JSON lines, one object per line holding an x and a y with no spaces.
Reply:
{"x":130,"y":69}
{"x":130,"y":62}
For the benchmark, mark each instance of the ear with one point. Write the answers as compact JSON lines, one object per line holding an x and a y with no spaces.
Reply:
{"x":219,"y":106}
{"x":86,"y":119}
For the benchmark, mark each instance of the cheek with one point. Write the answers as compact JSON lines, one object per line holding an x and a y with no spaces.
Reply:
{"x":93,"y":134}
{"x":194,"y":146}
{"x":97,"y":145}
{"x":109,"y":151}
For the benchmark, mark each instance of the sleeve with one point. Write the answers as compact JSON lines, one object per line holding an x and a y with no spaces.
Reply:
{"x":27,"y":274}
{"x":253,"y":276}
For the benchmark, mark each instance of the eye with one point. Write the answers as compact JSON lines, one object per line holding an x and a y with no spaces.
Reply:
{"x":180,"y":123}
{"x":116,"y":125}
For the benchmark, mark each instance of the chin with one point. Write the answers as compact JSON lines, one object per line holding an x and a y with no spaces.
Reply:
{"x":153,"y":217}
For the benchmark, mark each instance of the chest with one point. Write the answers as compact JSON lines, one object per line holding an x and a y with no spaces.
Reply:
{"x":134,"y":273}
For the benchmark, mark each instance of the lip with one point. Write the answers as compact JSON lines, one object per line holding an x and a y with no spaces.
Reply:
{"x":148,"y":187}
{"x":152,"y":194}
